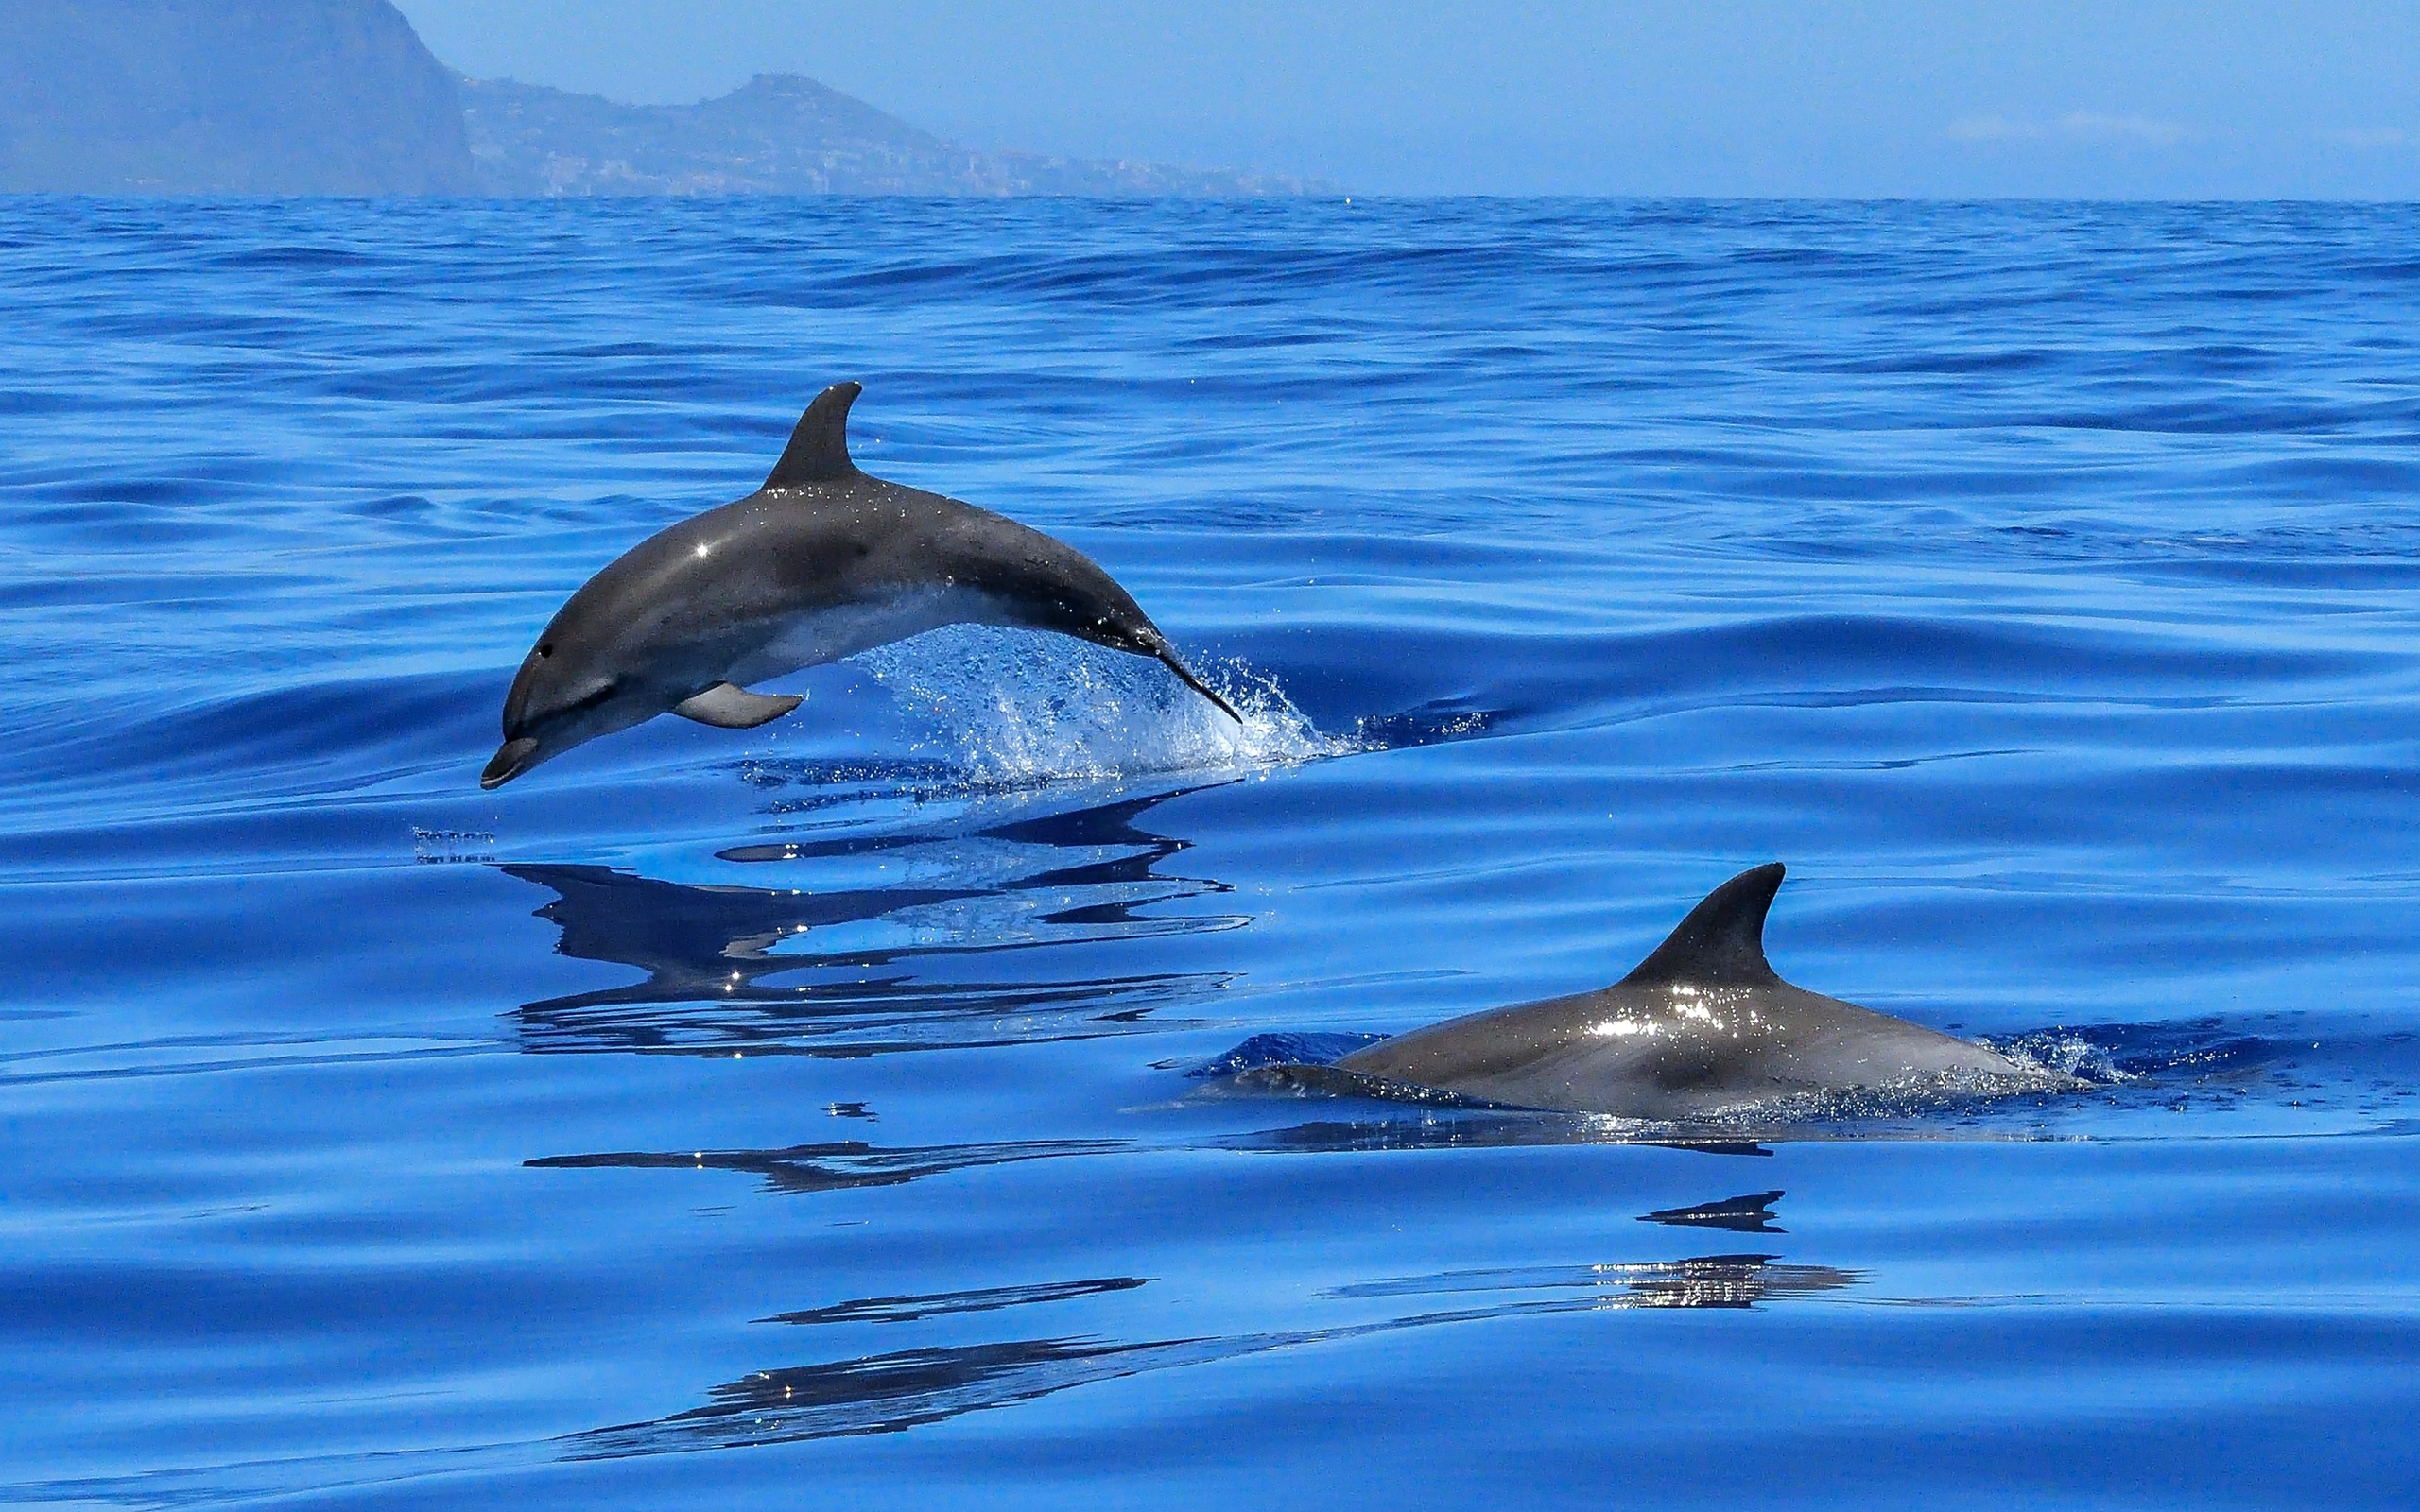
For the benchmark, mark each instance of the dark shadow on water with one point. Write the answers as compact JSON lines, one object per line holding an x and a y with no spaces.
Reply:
{"x":838,"y":1165}
{"x":1705,"y":1281}
{"x":929,"y":963}
{"x":1122,"y":854}
{"x":1751,"y":1214}
{"x":945,"y":1304}
{"x":909,"y":1388}
{"x":887,"y":1393}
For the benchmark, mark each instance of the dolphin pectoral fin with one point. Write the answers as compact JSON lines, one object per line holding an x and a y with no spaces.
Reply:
{"x":726,"y":707}
{"x":1186,"y":675}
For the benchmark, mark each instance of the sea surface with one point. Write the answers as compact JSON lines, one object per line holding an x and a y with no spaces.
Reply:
{"x":801,"y":1116}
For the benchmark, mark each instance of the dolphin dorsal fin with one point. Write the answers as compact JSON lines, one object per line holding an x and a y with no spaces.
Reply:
{"x":819,"y":449}
{"x":1724,"y":938}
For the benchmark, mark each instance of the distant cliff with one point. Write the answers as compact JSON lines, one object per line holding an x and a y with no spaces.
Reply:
{"x":782,"y":135}
{"x":340,"y":97}
{"x":224,"y":97}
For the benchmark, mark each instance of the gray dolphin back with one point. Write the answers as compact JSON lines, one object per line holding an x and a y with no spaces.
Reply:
{"x":1701,"y":1026}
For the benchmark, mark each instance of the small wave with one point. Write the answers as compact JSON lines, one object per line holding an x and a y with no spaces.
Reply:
{"x":1263,"y":1051}
{"x":2065,"y":1053}
{"x":1433,"y":723}
{"x":1014,"y":708}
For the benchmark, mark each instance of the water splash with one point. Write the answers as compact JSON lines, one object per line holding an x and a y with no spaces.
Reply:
{"x":1012,"y":708}
{"x":2065,"y":1052}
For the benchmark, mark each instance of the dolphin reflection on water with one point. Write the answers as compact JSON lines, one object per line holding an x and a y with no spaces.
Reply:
{"x":904,"y":1389}
{"x":820,"y":563}
{"x":946,"y":956}
{"x":909,"y":1388}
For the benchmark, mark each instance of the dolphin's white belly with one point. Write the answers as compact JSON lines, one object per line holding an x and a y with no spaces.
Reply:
{"x":827,"y":633}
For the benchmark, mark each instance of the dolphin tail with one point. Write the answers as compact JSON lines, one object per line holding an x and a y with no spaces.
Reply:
{"x":1186,"y":675}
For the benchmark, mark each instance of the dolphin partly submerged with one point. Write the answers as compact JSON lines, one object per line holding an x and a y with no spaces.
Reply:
{"x":820,"y":563}
{"x":1703,"y":1026}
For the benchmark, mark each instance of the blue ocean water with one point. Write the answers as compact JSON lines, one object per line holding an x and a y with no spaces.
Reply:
{"x":739,"y":1119}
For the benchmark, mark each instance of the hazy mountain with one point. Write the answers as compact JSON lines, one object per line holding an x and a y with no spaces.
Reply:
{"x":340,"y":97}
{"x":779,"y":133}
{"x":224,"y":97}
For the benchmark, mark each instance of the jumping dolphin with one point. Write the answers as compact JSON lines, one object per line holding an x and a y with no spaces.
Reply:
{"x":820,"y":563}
{"x":1703,"y":1025}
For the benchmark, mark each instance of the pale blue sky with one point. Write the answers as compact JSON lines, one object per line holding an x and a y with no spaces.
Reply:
{"x":2157,"y":98}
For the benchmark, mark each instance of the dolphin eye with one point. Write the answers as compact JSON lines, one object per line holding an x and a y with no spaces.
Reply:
{"x":545,"y":648}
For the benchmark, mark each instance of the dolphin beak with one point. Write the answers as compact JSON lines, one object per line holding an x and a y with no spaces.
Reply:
{"x":510,"y":760}
{"x":1184,"y":674}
